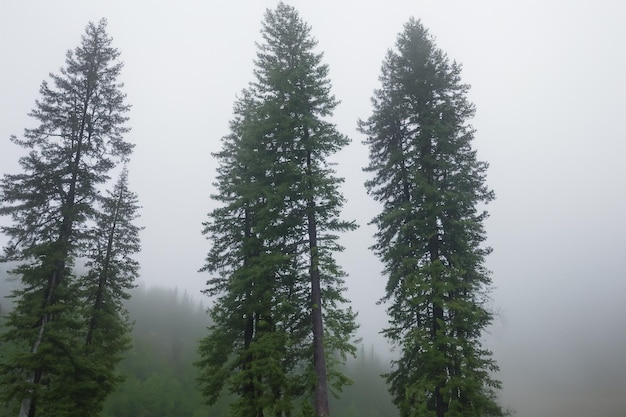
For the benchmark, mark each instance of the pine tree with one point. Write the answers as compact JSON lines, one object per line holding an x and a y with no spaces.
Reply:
{"x":112,"y":273}
{"x":430,"y":231}
{"x":79,"y":138}
{"x":280,"y":314}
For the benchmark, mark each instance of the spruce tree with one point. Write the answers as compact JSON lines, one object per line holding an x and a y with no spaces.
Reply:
{"x":81,"y":119}
{"x":112,"y":273}
{"x":430,"y":231}
{"x":279,"y":312}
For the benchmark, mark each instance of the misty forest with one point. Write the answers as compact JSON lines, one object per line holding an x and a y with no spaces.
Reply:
{"x":278,"y":337}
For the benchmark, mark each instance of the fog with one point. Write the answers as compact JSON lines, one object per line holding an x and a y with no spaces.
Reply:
{"x":548,"y":82}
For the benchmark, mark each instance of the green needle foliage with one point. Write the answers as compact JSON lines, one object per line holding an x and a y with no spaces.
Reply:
{"x":112,"y":273}
{"x":53,"y":205}
{"x":280,"y":321}
{"x":430,"y":232}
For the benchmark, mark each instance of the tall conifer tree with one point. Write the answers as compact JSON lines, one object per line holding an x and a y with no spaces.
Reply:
{"x":430,"y":231}
{"x":279,"y":314}
{"x":81,"y":119}
{"x":112,"y":273}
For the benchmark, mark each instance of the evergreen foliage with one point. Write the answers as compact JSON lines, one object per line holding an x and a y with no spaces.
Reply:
{"x":430,"y":232}
{"x":112,"y":272}
{"x":274,"y":236}
{"x":53,"y":205}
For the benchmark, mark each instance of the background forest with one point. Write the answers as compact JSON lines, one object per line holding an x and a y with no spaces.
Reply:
{"x":160,"y":379}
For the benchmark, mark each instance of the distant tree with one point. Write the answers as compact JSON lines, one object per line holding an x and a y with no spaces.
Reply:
{"x":368,"y":396}
{"x":430,"y":232}
{"x":79,"y":139}
{"x":160,"y":376}
{"x":279,"y":312}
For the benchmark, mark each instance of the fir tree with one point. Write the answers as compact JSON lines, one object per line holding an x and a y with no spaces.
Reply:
{"x":112,"y":273}
{"x":279,"y":314}
{"x":430,"y":232}
{"x":79,"y":138}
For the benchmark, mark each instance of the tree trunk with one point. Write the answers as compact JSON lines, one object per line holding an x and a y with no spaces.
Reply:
{"x":438,"y":317}
{"x":319,"y":358}
{"x":104,"y":274}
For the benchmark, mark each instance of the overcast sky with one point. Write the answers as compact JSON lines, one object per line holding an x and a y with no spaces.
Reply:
{"x":549,"y":82}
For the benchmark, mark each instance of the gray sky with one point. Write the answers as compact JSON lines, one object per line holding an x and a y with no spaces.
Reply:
{"x":549,"y":82}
